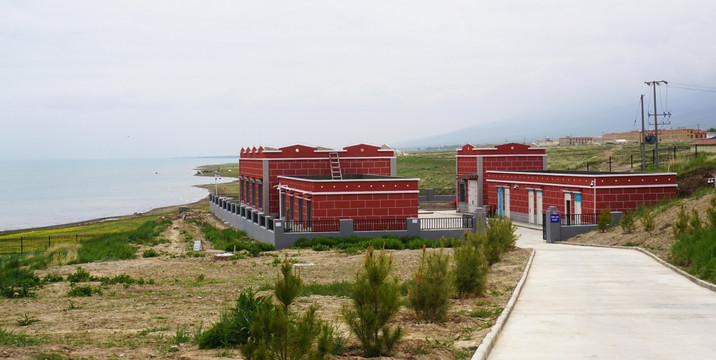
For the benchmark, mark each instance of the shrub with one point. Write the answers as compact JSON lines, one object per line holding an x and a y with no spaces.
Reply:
{"x":471,"y":267}
{"x":627,"y":222}
{"x":647,"y":220}
{"x":375,"y":301}
{"x":150,"y":253}
{"x":500,"y":236}
{"x":83,"y":291}
{"x":431,"y":288}
{"x":51,"y":278}
{"x":80,"y":275}
{"x":233,"y":327}
{"x":604,"y":222}
{"x":275,"y":333}
{"x":681,"y":225}
{"x":711,"y":213}
{"x":16,"y":282}
{"x":695,"y":221}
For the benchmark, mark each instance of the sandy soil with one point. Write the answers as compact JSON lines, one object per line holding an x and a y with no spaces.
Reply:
{"x":139,"y":322}
{"x":658,"y":241}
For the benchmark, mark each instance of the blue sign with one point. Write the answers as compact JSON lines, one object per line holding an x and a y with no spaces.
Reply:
{"x":554,"y":218}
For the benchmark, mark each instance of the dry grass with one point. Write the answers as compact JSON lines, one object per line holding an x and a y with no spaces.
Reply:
{"x":140,"y":321}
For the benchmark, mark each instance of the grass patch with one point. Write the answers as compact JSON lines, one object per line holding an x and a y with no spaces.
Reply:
{"x":233,"y":240}
{"x":429,"y":167}
{"x":336,"y":288}
{"x":355,"y":244}
{"x":9,"y":338}
{"x":696,"y":252}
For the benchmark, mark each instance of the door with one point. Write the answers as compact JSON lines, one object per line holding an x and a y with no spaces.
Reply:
{"x":577,"y":208}
{"x":531,"y":206}
{"x":472,"y":195}
{"x":507,"y":201}
{"x":568,"y":207}
{"x":499,"y":201}
{"x":539,"y":207}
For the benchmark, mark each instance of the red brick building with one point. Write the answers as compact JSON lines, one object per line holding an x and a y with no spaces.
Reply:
{"x":512,"y":180}
{"x":304,"y":166}
{"x":357,"y":197}
{"x":474,"y":163}
{"x":525,"y":195}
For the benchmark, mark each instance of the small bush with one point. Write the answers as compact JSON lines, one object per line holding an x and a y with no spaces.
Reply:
{"x":471,"y":267}
{"x":627,"y":222}
{"x":80,"y":275}
{"x":234,"y":324}
{"x":695,"y":223}
{"x":431,"y":288}
{"x":647,"y":220}
{"x":84,"y":291}
{"x":711,"y":213}
{"x":51,"y":278}
{"x":150,"y":253}
{"x":16,"y":282}
{"x":604,"y":222}
{"x":26,"y":320}
{"x":681,"y":225}
{"x":375,"y":301}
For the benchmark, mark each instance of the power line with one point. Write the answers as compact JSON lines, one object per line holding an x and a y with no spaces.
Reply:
{"x":693,"y":87}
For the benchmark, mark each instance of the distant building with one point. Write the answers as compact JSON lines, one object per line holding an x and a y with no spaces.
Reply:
{"x":704,"y":145}
{"x":580,"y":140}
{"x":665,"y":135}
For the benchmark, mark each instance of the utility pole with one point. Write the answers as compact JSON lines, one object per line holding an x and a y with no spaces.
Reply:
{"x":656,"y":119}
{"x":643,"y":133}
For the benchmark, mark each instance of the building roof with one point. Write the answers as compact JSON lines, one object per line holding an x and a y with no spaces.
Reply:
{"x":704,"y":142}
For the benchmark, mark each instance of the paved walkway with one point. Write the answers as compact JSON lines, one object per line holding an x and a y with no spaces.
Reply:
{"x":599,"y":303}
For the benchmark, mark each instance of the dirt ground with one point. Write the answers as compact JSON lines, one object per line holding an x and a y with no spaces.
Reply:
{"x":658,"y":241}
{"x":140,"y":321}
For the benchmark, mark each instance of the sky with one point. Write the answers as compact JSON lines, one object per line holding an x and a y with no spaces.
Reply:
{"x":128,"y":79}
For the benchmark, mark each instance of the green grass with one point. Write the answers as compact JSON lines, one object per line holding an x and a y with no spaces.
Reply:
{"x":436,"y":169}
{"x":9,"y":338}
{"x":696,"y":252}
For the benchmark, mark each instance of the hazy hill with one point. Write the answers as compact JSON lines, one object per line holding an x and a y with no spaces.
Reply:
{"x":696,"y":109}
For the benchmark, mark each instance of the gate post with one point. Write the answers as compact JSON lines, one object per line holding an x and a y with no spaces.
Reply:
{"x":552,"y":225}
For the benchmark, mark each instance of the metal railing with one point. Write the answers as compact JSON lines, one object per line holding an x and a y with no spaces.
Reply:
{"x":312,"y":226}
{"x":22,"y":244}
{"x":465,"y":222}
{"x":579,"y":219}
{"x":379,"y":224}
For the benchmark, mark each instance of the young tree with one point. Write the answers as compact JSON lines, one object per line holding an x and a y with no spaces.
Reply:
{"x":647,"y":220}
{"x":711,"y":213}
{"x":605,"y":220}
{"x":627,"y":222}
{"x":681,"y":225}
{"x":471,"y":267}
{"x":375,"y":300}
{"x":431,"y":288}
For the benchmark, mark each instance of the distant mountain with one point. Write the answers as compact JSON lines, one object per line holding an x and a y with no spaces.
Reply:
{"x":696,"y":109}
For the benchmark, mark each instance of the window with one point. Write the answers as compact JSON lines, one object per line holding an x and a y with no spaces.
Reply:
{"x":461,"y":191}
{"x":290,"y":208}
{"x":308,"y":212}
{"x":253,"y":193}
{"x":282,"y":200}
{"x":261,"y":197}
{"x":300,"y":210}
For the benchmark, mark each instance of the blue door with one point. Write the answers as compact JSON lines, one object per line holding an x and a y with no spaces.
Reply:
{"x":499,"y":201}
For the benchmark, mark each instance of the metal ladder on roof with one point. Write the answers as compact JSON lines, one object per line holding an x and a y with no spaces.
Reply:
{"x":335,"y":166}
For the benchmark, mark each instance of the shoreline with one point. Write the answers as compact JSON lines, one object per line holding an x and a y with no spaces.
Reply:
{"x":156,"y":211}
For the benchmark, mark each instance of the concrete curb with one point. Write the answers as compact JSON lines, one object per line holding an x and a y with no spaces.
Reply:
{"x":489,"y":341}
{"x":693,"y":279}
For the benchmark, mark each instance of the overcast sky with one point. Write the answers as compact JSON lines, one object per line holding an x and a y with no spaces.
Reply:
{"x":97,"y":79}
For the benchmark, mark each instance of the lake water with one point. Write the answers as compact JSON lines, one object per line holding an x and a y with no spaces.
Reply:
{"x":51,"y":192}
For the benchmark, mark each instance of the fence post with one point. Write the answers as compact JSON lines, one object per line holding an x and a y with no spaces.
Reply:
{"x":653,"y":156}
{"x":674,"y":152}
{"x":21,"y":245}
{"x":587,"y":166}
{"x":610,"y":164}
{"x":631,"y":157}
{"x":48,"y":241}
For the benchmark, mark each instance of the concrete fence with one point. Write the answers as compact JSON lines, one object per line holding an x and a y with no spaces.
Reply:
{"x":281,"y":234}
{"x":430,"y":196}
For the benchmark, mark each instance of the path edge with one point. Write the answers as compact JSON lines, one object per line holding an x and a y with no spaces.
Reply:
{"x":693,"y":279}
{"x":489,"y":340}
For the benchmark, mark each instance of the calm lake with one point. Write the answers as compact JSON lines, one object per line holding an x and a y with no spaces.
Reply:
{"x":51,"y":192}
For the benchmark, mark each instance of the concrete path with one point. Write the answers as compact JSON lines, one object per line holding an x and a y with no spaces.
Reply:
{"x":599,"y":303}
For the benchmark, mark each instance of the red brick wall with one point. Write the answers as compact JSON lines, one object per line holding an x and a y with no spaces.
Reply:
{"x":365,"y":206}
{"x":617,"y":191}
